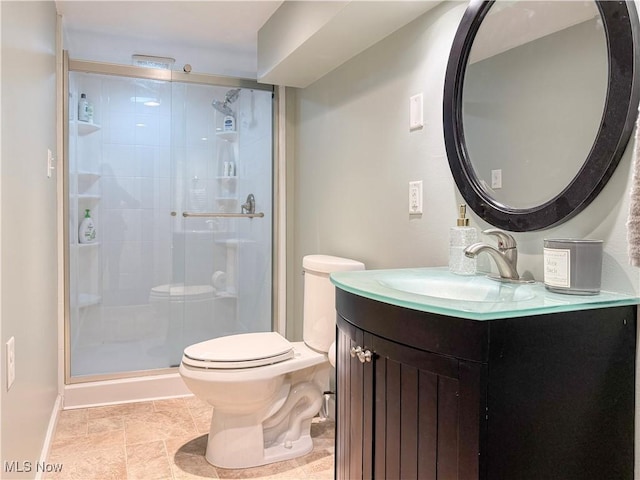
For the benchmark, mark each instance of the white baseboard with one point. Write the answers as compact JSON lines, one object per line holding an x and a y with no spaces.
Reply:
{"x":51,"y":430}
{"x":126,"y":390}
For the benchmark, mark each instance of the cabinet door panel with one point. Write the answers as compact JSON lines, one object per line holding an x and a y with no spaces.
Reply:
{"x":409,"y":415}
{"x":392,"y":415}
{"x":379,"y":419}
{"x":399,"y":416}
{"x":342,"y":404}
{"x":354,"y":435}
{"x":415,"y":414}
{"x":427,"y":425}
{"x":357,"y":441}
{"x":447,"y":428}
{"x":344,"y":409}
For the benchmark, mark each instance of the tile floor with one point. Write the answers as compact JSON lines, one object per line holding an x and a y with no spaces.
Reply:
{"x":163,"y":440}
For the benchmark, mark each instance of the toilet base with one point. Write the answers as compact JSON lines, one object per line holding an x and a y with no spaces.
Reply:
{"x":243,"y":441}
{"x":299,"y":447}
{"x":276,"y":453}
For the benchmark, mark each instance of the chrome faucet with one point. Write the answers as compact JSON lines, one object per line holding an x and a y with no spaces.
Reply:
{"x":250,"y":205}
{"x":505,"y":256}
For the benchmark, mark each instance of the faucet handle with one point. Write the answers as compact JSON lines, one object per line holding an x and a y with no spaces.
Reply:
{"x":505,"y":241}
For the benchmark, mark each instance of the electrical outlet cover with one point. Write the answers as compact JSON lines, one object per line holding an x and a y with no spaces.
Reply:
{"x":11,"y":362}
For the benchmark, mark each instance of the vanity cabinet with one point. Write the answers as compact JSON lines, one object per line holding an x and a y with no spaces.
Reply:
{"x":540,"y":397}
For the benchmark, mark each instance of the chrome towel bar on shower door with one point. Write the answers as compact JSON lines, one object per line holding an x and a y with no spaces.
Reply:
{"x":219,"y":215}
{"x":247,"y":210}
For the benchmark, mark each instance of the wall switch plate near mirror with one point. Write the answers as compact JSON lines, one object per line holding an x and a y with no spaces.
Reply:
{"x":416,"y":112}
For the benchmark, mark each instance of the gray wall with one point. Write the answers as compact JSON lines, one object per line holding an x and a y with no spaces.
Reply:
{"x":28,"y":267}
{"x":533,"y":112}
{"x":354,"y":157}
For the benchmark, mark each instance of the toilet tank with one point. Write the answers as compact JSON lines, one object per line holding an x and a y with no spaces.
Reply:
{"x":319,"y":317}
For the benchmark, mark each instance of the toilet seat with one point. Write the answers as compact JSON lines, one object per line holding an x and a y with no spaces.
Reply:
{"x":245,"y":350}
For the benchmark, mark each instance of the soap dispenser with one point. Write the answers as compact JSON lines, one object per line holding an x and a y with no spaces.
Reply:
{"x":460,"y":237}
{"x":87,"y":230}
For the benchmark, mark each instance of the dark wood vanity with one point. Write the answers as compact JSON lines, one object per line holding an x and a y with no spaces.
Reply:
{"x":431,"y":396}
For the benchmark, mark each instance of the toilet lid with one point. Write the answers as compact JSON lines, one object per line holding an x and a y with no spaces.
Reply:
{"x":239,"y":351}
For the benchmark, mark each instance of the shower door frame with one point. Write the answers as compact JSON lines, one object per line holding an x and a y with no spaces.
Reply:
{"x":278,"y":269}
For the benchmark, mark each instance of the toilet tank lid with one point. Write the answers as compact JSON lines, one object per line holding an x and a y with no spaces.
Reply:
{"x":330,"y":264}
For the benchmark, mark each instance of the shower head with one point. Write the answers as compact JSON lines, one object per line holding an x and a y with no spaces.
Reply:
{"x":223,"y":106}
{"x":232,"y":95}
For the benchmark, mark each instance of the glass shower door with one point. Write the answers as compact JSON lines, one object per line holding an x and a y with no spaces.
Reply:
{"x":154,"y":280}
{"x":222,"y":155}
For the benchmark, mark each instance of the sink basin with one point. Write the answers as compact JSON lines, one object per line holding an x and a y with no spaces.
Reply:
{"x":475,"y":288}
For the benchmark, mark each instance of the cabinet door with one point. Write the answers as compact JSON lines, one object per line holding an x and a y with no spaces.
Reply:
{"x":407,"y":413}
{"x":416,"y":412}
{"x":353,"y":443}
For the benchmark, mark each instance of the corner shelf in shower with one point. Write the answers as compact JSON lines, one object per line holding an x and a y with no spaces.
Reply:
{"x":86,"y":180}
{"x":88,"y":300}
{"x":225,"y":295}
{"x":85,"y":128}
{"x":89,"y":197}
{"x":88,"y":246}
{"x":228,"y":136}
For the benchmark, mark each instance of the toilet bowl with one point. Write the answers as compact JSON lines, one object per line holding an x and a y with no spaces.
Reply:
{"x":264,"y":389}
{"x":185,"y":313}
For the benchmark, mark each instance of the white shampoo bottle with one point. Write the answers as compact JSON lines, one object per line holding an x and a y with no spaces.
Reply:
{"x":87,"y":230}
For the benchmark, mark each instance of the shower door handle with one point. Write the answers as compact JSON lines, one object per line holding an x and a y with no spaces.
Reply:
{"x":219,"y":215}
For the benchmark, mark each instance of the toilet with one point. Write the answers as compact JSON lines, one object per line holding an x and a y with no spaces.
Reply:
{"x":185,"y":313}
{"x":264,"y":389}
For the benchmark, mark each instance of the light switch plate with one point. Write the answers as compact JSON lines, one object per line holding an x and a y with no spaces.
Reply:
{"x":416,"y":116}
{"x":496,"y":178}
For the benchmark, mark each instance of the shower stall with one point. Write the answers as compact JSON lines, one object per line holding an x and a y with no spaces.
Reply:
{"x":176,"y":172}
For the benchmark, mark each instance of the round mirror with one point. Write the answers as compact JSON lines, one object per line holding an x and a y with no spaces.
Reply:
{"x":539,"y":105}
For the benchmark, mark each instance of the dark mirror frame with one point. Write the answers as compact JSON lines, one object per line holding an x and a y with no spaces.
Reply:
{"x":620,"y":22}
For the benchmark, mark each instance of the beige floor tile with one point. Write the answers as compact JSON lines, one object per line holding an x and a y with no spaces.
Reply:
{"x":123,"y":409}
{"x":195,"y":402}
{"x":187,"y":456}
{"x":288,"y":469}
{"x":105,"y":464}
{"x":106,"y":424}
{"x":318,"y":464}
{"x":323,"y":434}
{"x":186,"y":445}
{"x":202,"y":418}
{"x":72,"y":423}
{"x":86,"y":444}
{"x":148,"y":461}
{"x":141,"y":428}
{"x":169,"y":404}
{"x":164,"y":439}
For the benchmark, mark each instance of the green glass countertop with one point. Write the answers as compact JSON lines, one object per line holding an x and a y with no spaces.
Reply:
{"x":476,"y":297}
